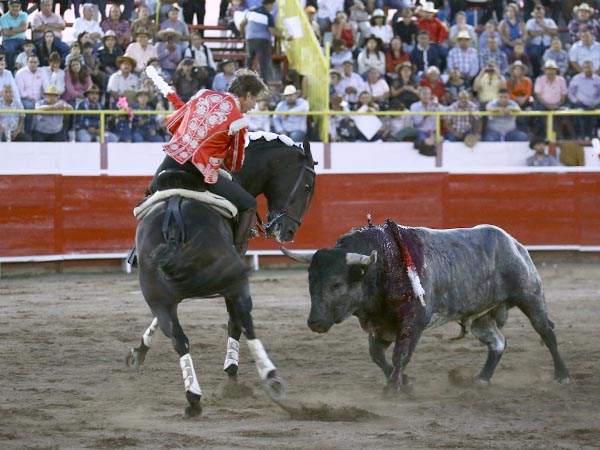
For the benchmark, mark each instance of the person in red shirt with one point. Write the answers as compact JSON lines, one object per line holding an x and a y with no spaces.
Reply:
{"x":438,"y":32}
{"x":433,"y":81}
{"x":210,"y":131}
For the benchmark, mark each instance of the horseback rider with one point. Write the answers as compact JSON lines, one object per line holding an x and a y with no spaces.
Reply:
{"x":209,"y":131}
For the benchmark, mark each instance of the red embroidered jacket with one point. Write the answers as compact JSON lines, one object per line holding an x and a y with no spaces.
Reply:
{"x":438,"y":32}
{"x":210,"y":130}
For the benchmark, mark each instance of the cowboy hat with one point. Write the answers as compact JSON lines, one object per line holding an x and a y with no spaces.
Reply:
{"x":402,"y":65}
{"x":142,"y":91}
{"x":429,"y":7}
{"x":52,"y":90}
{"x":518,"y":63}
{"x":92,"y":88}
{"x":583,"y":7}
{"x":378,"y":13}
{"x":336,"y":72}
{"x":290,"y":89}
{"x":550,"y":64}
{"x":464,"y":34}
{"x":125,"y":58}
{"x":110,"y":33}
{"x":162,"y":34}
{"x":142,"y":30}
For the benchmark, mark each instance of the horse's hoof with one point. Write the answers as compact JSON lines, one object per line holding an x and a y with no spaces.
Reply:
{"x":276,"y":387}
{"x":564,"y":379}
{"x":232,"y":371}
{"x":481,"y":382}
{"x":193,"y":399}
{"x":132,"y":360}
{"x":192,"y":411}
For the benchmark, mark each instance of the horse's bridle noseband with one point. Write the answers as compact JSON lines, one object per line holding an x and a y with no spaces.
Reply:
{"x":277,"y":216}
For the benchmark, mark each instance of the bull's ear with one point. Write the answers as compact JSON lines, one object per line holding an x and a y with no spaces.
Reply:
{"x":363,"y":260}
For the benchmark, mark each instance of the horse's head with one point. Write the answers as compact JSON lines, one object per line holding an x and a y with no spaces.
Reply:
{"x":289,"y":191}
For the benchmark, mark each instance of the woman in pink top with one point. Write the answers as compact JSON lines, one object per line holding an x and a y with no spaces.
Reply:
{"x":77,"y":81}
{"x":115,"y":23}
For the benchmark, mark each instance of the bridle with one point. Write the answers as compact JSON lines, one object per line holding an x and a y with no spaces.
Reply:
{"x":276,"y":217}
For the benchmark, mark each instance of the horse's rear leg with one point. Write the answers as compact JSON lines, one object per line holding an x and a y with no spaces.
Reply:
{"x":137,"y":356}
{"x":232,"y":355}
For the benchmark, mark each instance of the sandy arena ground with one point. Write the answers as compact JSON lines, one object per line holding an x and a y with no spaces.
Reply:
{"x":64,"y":384}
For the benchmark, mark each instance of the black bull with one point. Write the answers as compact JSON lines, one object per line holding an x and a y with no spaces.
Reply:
{"x":195,"y":256}
{"x":399,"y":281}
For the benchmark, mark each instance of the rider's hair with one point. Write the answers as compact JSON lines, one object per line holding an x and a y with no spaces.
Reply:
{"x":246,"y":81}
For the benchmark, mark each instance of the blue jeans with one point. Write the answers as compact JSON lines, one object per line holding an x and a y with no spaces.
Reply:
{"x":28,"y":125}
{"x":512,"y":135}
{"x":584,"y":125}
{"x":12,"y":47}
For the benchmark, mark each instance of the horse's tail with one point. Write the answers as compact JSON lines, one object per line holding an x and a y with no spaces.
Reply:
{"x":166,"y":259}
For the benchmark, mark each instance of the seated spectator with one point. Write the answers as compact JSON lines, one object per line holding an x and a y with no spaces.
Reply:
{"x":540,"y":31}
{"x":519,"y":54}
{"x":433,"y":81}
{"x":341,"y":127}
{"x":47,"y":20}
{"x":260,"y":122}
{"x":585,"y":49}
{"x":7,"y":78}
{"x":109,"y":52}
{"x":558,"y":55}
{"x":371,"y":57}
{"x":188,"y":79}
{"x":437,"y":30}
{"x":13,"y":26}
{"x":378,"y":88}
{"x":584,"y":18}
{"x":123,"y":83}
{"x":92,"y":63}
{"x":584,"y":94}
{"x":540,"y":158}
{"x":519,"y":85}
{"x":168,"y":51}
{"x":29,"y":82}
{"x":403,"y":88}
{"x":503,"y":127}
{"x":405,"y":26}
{"x":77,"y":81}
{"x":339,"y":54}
{"x":393,"y":56}
{"x":87,"y":126}
{"x":50,"y":127}
{"x":144,"y":21}
{"x":74,"y":54}
{"x":294,"y":126}
{"x":511,"y":28}
{"x":464,"y":57}
{"x":326,"y":13}
{"x":550,"y":91}
{"x":453,"y":86}
{"x":225,"y":76}
{"x":334,"y":78}
{"x":461,"y":25}
{"x":53,"y":75}
{"x":488,"y":83}
{"x":141,"y":50}
{"x":28,"y":50}
{"x":48,"y":46}
{"x":90,"y":24}
{"x":424,"y":55}
{"x":12,"y":125}
{"x":380,"y":29}
{"x":458,"y":128}
{"x":360,"y":16}
{"x":116,"y":23}
{"x":98,"y":5}
{"x":177,"y":25}
{"x":346,"y":30}
{"x":201,"y":54}
{"x":489,"y":31}
{"x":239,"y":6}
{"x":366,"y":103}
{"x":144,"y":127}
{"x":351,"y":84}
{"x":425,"y":125}
{"x":492,"y":52}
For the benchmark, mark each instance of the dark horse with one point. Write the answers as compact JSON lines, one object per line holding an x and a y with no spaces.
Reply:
{"x":193,"y":256}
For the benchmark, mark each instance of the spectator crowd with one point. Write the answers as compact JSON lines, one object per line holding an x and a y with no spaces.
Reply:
{"x":386,"y":55}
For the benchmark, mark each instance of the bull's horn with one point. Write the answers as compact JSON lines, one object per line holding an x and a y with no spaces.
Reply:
{"x":357,"y":258}
{"x":300,"y":257}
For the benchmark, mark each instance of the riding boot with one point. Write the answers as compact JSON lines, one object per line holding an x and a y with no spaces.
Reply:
{"x":243,"y":230}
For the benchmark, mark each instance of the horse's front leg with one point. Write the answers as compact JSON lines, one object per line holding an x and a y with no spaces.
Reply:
{"x":232,"y":355}
{"x":137,"y":355}
{"x":240,"y":308}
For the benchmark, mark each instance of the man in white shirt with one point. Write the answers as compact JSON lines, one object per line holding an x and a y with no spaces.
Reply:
{"x":123,"y":83}
{"x":6,"y":78}
{"x":88,"y":23}
{"x":141,"y":50}
{"x":351,"y":84}
{"x":585,"y":49}
{"x":540,"y":31}
{"x":294,"y":126}
{"x":29,"y":81}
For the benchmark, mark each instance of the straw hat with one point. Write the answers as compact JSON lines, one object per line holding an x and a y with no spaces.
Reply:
{"x":162,"y":34}
{"x":464,"y":34}
{"x":429,"y":7}
{"x":52,"y":90}
{"x":290,"y":89}
{"x":550,"y":64}
{"x":125,"y":58}
{"x":92,"y":88}
{"x":142,"y":30}
{"x":583,"y":7}
{"x":110,"y":33}
{"x":378,"y":13}
{"x":336,"y":72}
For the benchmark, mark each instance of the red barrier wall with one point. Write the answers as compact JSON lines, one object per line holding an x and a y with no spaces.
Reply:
{"x":55,"y":214}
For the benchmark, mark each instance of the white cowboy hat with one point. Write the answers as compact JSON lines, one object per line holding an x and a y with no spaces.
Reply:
{"x":550,"y":64}
{"x":583,"y":7}
{"x":162,"y":34}
{"x":378,"y":13}
{"x":429,"y":7}
{"x":464,"y":34}
{"x":290,"y":89}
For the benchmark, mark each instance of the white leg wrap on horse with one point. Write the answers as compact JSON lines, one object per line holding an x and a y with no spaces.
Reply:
{"x":263,"y":363}
{"x":147,"y":337}
{"x":189,"y":375}
{"x":233,"y":353}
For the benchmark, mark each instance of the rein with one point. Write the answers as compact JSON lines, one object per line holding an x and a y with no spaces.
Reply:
{"x":277,"y":216}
